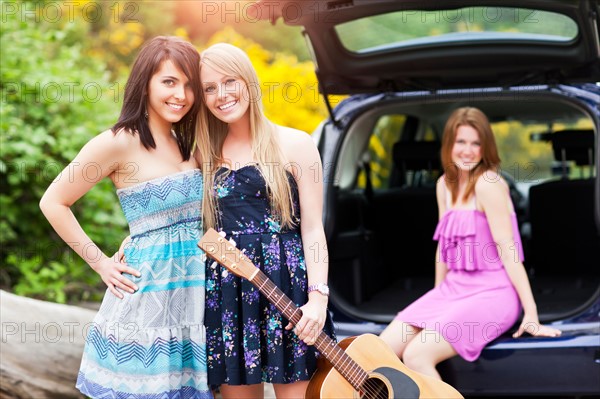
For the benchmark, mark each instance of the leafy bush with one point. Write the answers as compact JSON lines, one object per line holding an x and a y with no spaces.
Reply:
{"x":54,"y":99}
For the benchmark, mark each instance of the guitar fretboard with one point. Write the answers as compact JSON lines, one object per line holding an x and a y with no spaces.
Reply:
{"x":343,"y":363}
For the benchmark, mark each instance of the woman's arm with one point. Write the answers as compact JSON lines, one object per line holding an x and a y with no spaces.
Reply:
{"x":302,"y":152}
{"x":99,"y":158}
{"x":494,"y":198}
{"x":441,"y":269}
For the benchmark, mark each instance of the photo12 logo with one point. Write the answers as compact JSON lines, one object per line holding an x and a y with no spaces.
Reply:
{"x":67,"y":331}
{"x":55,"y":92}
{"x":254,"y":11}
{"x":70,"y":11}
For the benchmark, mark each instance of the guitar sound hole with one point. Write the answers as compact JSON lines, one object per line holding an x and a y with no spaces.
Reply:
{"x":374,"y":388}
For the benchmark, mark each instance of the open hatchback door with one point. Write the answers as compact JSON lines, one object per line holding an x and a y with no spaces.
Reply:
{"x":391,"y":45}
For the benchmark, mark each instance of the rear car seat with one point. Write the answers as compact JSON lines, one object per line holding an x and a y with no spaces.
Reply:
{"x":563,"y":231}
{"x":406,"y":216}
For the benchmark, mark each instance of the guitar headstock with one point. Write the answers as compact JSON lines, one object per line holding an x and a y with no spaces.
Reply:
{"x":224,"y":252}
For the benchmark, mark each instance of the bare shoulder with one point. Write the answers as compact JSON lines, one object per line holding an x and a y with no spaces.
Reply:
{"x":295,"y":142}
{"x":119,"y":141}
{"x":440,"y":187}
{"x":441,"y":182}
{"x":290,"y":136}
{"x":490,"y":185}
{"x":108,"y":148}
{"x":440,"y":195}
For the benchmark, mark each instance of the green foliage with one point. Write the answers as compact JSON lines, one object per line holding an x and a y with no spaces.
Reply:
{"x":123,"y":28}
{"x":277,"y":38}
{"x":202,"y":19}
{"x":54,"y":98}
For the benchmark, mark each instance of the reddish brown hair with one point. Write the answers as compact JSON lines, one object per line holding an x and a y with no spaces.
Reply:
{"x":490,"y":160}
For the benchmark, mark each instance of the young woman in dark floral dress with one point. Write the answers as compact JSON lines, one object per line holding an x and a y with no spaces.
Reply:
{"x":263,"y":188}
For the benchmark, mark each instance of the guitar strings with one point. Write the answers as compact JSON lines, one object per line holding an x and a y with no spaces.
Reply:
{"x":374,"y":390}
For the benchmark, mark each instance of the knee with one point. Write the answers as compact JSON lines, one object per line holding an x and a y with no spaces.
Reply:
{"x":415,"y":358}
{"x":394,"y":342}
{"x":397,"y":335}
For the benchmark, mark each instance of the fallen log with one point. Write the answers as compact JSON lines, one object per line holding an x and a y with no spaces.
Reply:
{"x":41,"y":347}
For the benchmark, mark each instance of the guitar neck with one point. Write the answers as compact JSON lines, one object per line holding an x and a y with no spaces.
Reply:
{"x":343,"y":363}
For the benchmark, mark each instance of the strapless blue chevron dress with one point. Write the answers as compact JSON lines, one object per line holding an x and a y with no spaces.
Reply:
{"x":152,"y":344}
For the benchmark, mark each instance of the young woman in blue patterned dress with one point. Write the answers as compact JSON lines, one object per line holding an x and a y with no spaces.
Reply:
{"x":148,"y":338}
{"x":264,"y":189}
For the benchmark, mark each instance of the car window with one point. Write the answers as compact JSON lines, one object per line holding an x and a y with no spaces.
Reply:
{"x":413,"y":27}
{"x":388,"y":130}
{"x":527,"y":155}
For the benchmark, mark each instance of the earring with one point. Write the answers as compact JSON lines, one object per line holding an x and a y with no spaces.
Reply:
{"x":146,"y":114}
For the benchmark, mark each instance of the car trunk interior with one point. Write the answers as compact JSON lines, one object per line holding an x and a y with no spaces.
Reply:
{"x":385,"y":213}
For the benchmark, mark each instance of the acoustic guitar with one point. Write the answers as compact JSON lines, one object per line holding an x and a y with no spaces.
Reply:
{"x":359,"y":367}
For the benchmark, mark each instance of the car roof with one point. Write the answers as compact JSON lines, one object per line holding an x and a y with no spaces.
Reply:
{"x":348,"y":62}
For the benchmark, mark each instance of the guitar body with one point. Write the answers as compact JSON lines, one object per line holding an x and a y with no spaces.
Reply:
{"x":388,"y":377}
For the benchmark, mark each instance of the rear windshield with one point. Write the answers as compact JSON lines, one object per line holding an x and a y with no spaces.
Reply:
{"x":407,"y":28}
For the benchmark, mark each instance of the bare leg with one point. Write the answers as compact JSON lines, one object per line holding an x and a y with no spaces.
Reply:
{"x":294,"y":390}
{"x":397,"y":335}
{"x":255,"y":391}
{"x":425,"y":351}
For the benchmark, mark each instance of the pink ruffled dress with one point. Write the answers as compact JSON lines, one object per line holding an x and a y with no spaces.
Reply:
{"x":476,"y":302}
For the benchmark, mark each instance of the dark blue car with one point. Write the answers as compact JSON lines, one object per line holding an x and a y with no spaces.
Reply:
{"x":533,"y":67}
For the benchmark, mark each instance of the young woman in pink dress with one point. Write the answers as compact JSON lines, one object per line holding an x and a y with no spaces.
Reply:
{"x":481,"y":286}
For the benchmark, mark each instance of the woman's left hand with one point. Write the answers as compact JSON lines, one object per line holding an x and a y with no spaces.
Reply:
{"x":314,"y":314}
{"x":532,"y":326}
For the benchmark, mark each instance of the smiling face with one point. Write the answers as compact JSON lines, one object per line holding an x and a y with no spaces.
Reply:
{"x":170,"y":95}
{"x":466,"y":151}
{"x":225,"y":96}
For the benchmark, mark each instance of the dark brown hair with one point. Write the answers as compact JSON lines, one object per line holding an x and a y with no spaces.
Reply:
{"x":490,"y":160}
{"x":147,"y":63}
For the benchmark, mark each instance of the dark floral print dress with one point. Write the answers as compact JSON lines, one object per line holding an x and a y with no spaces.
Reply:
{"x":246,"y":338}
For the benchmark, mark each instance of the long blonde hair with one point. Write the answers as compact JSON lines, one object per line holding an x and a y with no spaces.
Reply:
{"x":232,"y":61}
{"x":490,"y":160}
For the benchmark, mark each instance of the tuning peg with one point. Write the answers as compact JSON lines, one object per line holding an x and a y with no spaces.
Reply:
{"x":222,"y":233}
{"x":225,"y":274}
{"x":232,"y":242}
{"x":203,"y":257}
{"x":213,"y":265}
